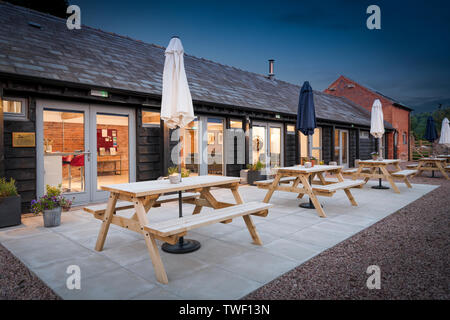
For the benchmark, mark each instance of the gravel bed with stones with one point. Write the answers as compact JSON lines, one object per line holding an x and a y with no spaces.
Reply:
{"x":411,"y":247}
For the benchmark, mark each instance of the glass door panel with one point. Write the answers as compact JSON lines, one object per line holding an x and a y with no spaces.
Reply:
{"x":275,"y":147}
{"x":344,"y":148}
{"x":64,"y":150}
{"x":258,"y":144}
{"x":337,"y":146}
{"x":112,"y":149}
{"x":190,"y":154}
{"x":215,"y":146}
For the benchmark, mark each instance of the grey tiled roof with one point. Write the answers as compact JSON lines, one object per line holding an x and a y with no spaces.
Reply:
{"x":94,"y":57}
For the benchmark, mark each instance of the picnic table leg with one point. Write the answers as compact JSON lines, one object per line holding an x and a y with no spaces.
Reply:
{"x":388,"y":177}
{"x":150,"y":241}
{"x":247,"y":219}
{"x":347,"y":191}
{"x":419,"y":169}
{"x":312,"y":196}
{"x":442,"y":169}
{"x":272,"y":188}
{"x":295,"y":184}
{"x":110,"y":207}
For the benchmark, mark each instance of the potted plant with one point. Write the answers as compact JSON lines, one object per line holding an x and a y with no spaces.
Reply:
{"x":374,"y":155}
{"x":51,"y":205}
{"x":174,"y":175}
{"x":255,"y":172}
{"x":313,"y":161}
{"x":10,"y":208}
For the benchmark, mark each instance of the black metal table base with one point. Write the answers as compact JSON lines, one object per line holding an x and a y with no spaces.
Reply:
{"x":380,"y":187}
{"x":182,"y":246}
{"x":308,"y":205}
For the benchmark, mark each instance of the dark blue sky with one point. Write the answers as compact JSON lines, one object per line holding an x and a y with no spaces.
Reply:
{"x":408,"y":59}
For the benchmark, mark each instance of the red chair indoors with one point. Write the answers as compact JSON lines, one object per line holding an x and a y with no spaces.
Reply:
{"x":78,"y":161}
{"x":66,"y":162}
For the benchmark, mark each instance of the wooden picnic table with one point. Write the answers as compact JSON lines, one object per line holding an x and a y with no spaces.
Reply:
{"x":300,"y":175}
{"x":445,"y":156}
{"x":432,"y":164}
{"x":378,"y":169}
{"x":143,"y":196}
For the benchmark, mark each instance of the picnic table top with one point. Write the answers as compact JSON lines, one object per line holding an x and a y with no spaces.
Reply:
{"x":444,"y":156}
{"x":145,"y":188}
{"x":303,"y":169}
{"x":384,"y":161}
{"x":432,"y":159}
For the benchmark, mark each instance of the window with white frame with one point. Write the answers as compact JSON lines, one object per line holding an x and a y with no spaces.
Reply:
{"x":405,"y":138}
{"x":316,"y":144}
{"x":364,"y":134}
{"x":290,"y":129}
{"x":14,"y":108}
{"x":151,"y":118}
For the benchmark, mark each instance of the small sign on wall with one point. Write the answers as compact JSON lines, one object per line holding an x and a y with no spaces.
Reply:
{"x":23,"y":139}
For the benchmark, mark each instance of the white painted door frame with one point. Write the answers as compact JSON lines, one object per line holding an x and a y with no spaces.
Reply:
{"x":99,"y":195}
{"x":267,"y":126}
{"x":80,"y":197}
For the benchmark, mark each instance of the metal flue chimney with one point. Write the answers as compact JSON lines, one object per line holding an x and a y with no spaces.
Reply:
{"x":271,"y":70}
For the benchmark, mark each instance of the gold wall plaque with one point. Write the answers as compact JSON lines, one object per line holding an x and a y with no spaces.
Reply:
{"x":23,"y":139}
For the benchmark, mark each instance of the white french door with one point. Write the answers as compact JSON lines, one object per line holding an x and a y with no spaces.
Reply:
{"x":83,"y":146}
{"x":341,"y":147}
{"x":111,"y":128}
{"x":267,"y":144}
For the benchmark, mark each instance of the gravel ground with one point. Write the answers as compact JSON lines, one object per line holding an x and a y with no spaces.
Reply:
{"x":411,"y":247}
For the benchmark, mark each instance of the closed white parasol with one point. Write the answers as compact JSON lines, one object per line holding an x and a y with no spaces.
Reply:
{"x":176,"y":105}
{"x":445,"y":133}
{"x":377,"y":123}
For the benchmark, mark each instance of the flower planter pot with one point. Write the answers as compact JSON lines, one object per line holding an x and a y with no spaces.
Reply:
{"x":52,"y":218}
{"x":253,"y":176}
{"x":244,"y":175}
{"x":10,"y":211}
{"x":175,"y":178}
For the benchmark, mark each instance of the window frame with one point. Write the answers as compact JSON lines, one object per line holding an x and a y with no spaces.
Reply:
{"x":12,"y":116}
{"x":405,"y":138}
{"x":150,"y":125}
{"x":287,"y":129}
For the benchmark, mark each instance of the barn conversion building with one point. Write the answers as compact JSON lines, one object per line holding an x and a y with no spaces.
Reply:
{"x":395,"y":112}
{"x":81,"y":108}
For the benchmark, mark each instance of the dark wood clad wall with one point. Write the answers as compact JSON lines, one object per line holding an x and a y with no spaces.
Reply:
{"x":326,"y":144}
{"x":366,"y":146}
{"x":352,"y":147}
{"x":290,"y":149}
{"x":20,"y":163}
{"x":148,"y":151}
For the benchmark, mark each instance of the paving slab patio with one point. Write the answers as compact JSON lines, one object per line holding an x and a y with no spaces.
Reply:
{"x":228,"y":265}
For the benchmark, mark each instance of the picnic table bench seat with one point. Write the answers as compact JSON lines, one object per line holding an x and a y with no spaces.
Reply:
{"x":269,"y":181}
{"x":412,"y":166}
{"x":99,"y":209}
{"x":333,"y":187}
{"x":404,"y":173}
{"x":180,"y":226}
{"x":354,"y":170}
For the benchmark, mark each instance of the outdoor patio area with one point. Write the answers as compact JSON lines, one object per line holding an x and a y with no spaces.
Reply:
{"x":227,"y":266}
